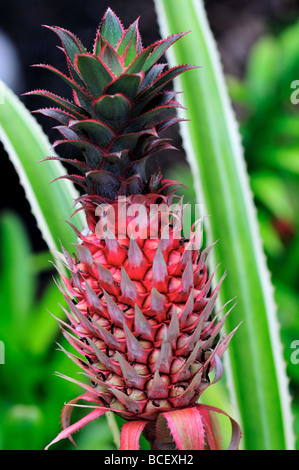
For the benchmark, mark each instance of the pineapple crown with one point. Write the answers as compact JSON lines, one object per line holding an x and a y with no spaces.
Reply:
{"x":117,"y":111}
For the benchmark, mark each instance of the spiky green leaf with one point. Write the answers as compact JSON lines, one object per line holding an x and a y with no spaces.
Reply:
{"x":114,"y":110}
{"x":127,"y":84}
{"x":111,"y":28}
{"x":95,"y":73}
{"x":110,"y":57}
{"x":98,"y":132}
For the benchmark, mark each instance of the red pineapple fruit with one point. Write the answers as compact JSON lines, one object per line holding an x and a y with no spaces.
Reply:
{"x":141,"y":308}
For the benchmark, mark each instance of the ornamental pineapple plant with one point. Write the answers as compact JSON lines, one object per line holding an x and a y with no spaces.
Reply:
{"x":141,"y":305}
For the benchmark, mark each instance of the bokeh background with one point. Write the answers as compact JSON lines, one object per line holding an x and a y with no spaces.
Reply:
{"x":258,"y":42}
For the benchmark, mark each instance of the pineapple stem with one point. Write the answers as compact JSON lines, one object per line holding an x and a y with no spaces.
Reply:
{"x":113,"y":426}
{"x":159,"y":436}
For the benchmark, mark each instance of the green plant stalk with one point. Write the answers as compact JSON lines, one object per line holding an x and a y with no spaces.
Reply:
{"x":257,"y":377}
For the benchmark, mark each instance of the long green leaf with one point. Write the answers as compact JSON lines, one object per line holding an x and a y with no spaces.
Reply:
{"x":26,"y":144}
{"x":257,"y":373}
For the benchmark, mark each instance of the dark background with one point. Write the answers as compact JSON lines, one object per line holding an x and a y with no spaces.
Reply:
{"x":236,"y":26}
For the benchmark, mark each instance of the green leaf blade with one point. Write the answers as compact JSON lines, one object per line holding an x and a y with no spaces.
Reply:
{"x":95,"y":73}
{"x":111,"y":28}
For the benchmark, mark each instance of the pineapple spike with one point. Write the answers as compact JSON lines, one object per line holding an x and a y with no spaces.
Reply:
{"x":157,"y":301}
{"x":114,"y":251}
{"x":105,"y":276}
{"x":85,"y":256}
{"x":216,"y":316}
{"x":65,"y":281}
{"x":165,"y":242}
{"x":130,"y":375}
{"x":116,"y":314}
{"x":108,"y":338}
{"x":80,"y":362}
{"x":69,"y":326}
{"x":223,"y":307}
{"x":132,"y":405}
{"x":135,"y":350}
{"x":174,"y":330}
{"x":204,"y":255}
{"x":218,"y":368}
{"x":193,"y":339}
{"x":80,"y":236}
{"x":83,"y":321}
{"x":208,"y":308}
{"x":210,"y":280}
{"x":188,"y":277}
{"x":217,"y":288}
{"x":184,"y":373}
{"x":102,"y":387}
{"x":226,"y":340}
{"x":135,"y":256}
{"x":104,"y":359}
{"x":128,"y":288}
{"x":95,"y":392}
{"x":76,"y":283}
{"x":93,"y":300}
{"x":187,"y":310}
{"x":192,"y":390}
{"x":160,"y":273}
{"x":217,"y":328}
{"x":67,"y":257}
{"x":142,"y":326}
{"x":158,"y":389}
{"x":79,"y":345}
{"x":74,"y":325}
{"x":211,"y":361}
{"x":165,"y":356}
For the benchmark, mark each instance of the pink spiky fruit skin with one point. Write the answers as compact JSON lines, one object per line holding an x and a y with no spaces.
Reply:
{"x":141,"y":315}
